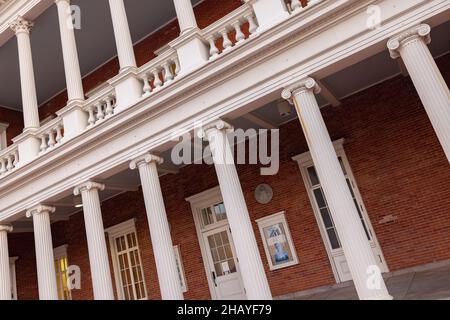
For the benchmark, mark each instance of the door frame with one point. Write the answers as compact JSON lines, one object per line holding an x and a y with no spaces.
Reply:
{"x":304,"y":161}
{"x":199,"y":202}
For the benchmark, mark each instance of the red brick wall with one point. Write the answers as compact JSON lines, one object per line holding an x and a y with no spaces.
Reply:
{"x":206,"y":13}
{"x":15,"y":121}
{"x":398,"y":164}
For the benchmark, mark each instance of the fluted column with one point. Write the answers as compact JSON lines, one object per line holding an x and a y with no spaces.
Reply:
{"x":22,"y":28}
{"x":411,"y":46}
{"x":45,"y":261}
{"x":185,"y":15}
{"x":250,"y":263}
{"x":355,"y":244}
{"x":95,"y":234}
{"x":5,"y":275}
{"x":122,"y":34}
{"x":162,"y":245}
{"x":69,"y":48}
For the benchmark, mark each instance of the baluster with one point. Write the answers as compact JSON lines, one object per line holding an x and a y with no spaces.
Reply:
{"x":44,"y":145}
{"x":227,"y":44}
{"x":157,"y":80}
{"x":168,"y":76}
{"x":177,"y":66}
{"x":51,"y":138}
{"x":109,"y":106}
{"x":252,"y":26}
{"x":100,"y":113}
{"x":10,"y":165}
{"x":2,"y":166}
{"x":213,"y":51}
{"x":295,"y":5}
{"x":240,"y":36}
{"x":59,"y":134}
{"x":91,"y":119}
{"x":16,"y":158}
{"x":147,"y":87}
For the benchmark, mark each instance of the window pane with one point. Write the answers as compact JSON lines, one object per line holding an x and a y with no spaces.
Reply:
{"x":342,"y":165}
{"x":313,"y":178}
{"x":321,"y":203}
{"x":326,"y":218}
{"x":333,"y":238}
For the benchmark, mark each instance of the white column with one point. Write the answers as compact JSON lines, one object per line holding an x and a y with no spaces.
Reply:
{"x":69,"y":48}
{"x":45,"y":261}
{"x":22,"y":28}
{"x":411,"y":46}
{"x":95,"y":233}
{"x":360,"y":258}
{"x":185,"y":15}
{"x":122,"y":34}
{"x":5,"y":276}
{"x":162,"y":245}
{"x":250,"y":263}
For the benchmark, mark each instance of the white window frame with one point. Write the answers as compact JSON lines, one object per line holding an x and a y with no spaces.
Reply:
{"x":113,"y":233}
{"x":58,"y":254}
{"x":12,"y":270}
{"x":3,"y":137}
{"x":277,"y":218}
{"x":304,"y":161}
{"x":180,"y":268}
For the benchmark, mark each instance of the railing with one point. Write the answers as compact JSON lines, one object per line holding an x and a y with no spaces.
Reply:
{"x":9,"y":158}
{"x":231,"y":30}
{"x":51,"y":134}
{"x":159,"y":72}
{"x":101,"y":106}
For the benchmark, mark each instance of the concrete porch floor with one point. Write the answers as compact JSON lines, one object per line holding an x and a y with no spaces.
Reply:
{"x":421,"y":283}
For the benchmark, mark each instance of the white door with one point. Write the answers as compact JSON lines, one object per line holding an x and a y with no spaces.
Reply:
{"x":223,"y":264}
{"x":326,"y":223}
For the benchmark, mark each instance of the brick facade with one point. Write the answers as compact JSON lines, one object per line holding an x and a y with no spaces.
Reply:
{"x":397,"y":162}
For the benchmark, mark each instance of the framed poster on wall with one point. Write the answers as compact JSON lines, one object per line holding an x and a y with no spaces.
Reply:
{"x":277,"y":241}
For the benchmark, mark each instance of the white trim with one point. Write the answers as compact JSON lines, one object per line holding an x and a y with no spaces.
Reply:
{"x":12,"y":270}
{"x":277,"y":218}
{"x":114,"y":232}
{"x":180,"y":268}
{"x":304,"y":161}
{"x":3,"y":137}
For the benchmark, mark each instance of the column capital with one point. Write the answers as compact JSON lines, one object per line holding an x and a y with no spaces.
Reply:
{"x":39,"y":209}
{"x":88,"y":186}
{"x":145,"y":159}
{"x":306,"y":84}
{"x":6,"y":228}
{"x":220,"y":125}
{"x":420,"y":32}
{"x":20,"y":25}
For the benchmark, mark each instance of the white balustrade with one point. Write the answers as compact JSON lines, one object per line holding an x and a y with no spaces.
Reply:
{"x":9,"y":158}
{"x":159,"y":72}
{"x":230,"y":31}
{"x":295,"y":6}
{"x":100,"y":107}
{"x":51,"y":135}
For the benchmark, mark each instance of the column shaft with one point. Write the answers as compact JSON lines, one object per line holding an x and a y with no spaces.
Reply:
{"x":185,"y":14}
{"x":70,"y":54}
{"x":95,"y":234}
{"x":122,"y":34}
{"x":250,"y":263}
{"x":44,"y":252}
{"x":22,"y":28}
{"x":355,"y":244}
{"x":159,"y":228}
{"x":5,"y":276}
{"x":428,"y":80}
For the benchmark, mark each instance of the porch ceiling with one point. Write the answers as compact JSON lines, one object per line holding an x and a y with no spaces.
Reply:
{"x":95,"y":41}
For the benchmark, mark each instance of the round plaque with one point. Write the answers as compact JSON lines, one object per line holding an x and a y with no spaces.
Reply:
{"x":263,"y":194}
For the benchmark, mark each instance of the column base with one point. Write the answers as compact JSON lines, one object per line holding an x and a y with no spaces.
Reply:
{"x":128,"y":88}
{"x":192,"y":50}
